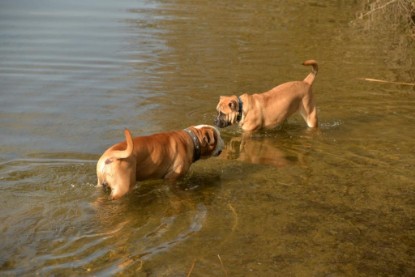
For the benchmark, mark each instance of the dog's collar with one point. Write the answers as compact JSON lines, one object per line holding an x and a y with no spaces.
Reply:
{"x":197,"y":151}
{"x":240,"y":109}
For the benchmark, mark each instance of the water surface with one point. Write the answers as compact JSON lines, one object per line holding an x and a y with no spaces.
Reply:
{"x":338,"y":201}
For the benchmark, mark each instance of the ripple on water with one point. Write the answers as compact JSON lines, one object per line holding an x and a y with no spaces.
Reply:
{"x":68,"y":227}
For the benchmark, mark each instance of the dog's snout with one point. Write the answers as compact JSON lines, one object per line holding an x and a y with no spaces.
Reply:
{"x":223,"y":124}
{"x":220,"y":121}
{"x":217,"y":121}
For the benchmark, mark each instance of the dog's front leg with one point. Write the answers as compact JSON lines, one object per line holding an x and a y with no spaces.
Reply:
{"x":177,"y":171}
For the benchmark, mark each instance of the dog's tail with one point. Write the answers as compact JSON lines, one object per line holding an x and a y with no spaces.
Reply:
{"x":310,"y":77}
{"x":130,"y":146}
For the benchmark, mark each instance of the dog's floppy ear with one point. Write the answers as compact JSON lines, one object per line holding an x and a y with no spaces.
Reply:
{"x":233,"y":105}
{"x":209,"y":137}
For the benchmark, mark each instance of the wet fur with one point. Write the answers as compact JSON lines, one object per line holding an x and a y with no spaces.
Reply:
{"x":160,"y":156}
{"x":273,"y":107}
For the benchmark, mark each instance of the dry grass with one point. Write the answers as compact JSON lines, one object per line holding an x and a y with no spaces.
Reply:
{"x":388,"y":14}
{"x":387,"y":82}
{"x":191,"y":268}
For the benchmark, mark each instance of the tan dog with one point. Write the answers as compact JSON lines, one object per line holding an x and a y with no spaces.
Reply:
{"x":159,"y":156}
{"x":271,"y":108}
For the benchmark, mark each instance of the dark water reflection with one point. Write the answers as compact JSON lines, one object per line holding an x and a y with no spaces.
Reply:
{"x":287,"y":202}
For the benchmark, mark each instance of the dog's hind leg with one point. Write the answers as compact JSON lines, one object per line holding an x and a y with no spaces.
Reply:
{"x":308,"y":111}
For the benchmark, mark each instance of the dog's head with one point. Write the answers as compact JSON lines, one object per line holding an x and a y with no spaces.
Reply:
{"x":228,"y":111}
{"x":211,"y":143}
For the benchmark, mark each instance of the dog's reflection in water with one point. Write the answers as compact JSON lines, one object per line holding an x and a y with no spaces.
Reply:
{"x":257,"y":150}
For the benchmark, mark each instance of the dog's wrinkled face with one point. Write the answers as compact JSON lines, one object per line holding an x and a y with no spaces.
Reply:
{"x":211,"y":143}
{"x":228,"y":110}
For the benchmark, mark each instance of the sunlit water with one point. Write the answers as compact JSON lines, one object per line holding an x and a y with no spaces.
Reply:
{"x":291,"y":202}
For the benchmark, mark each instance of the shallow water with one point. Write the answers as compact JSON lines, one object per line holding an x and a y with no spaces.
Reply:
{"x":292,"y":202}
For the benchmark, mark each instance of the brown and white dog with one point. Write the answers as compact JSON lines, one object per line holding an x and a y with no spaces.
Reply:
{"x":271,"y":108}
{"x":159,"y":156}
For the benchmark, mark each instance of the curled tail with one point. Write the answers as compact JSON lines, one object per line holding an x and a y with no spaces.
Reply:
{"x":122,"y":154}
{"x":114,"y":156}
{"x":310,"y":77}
